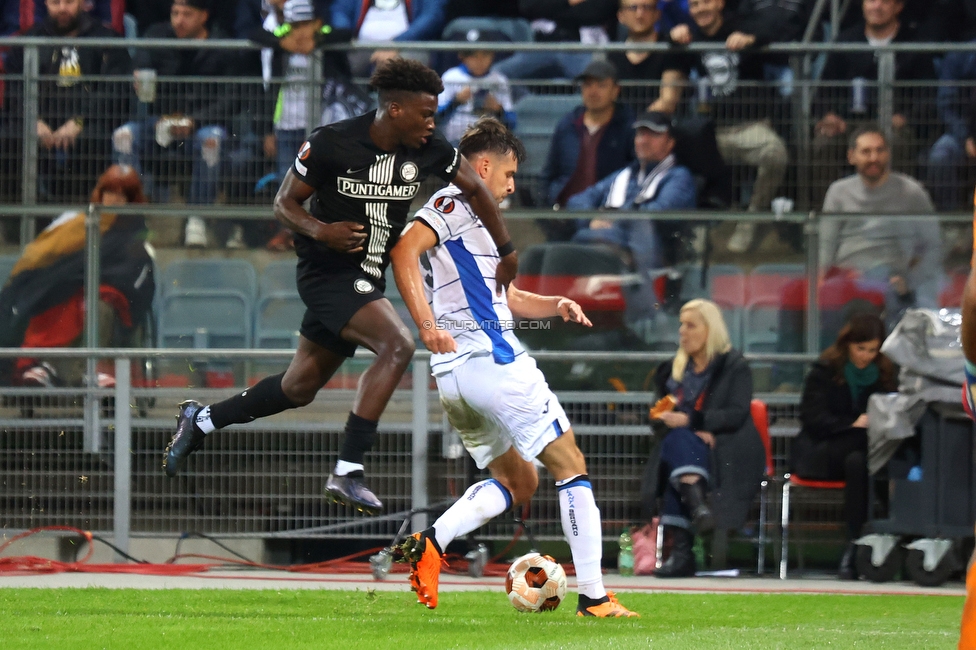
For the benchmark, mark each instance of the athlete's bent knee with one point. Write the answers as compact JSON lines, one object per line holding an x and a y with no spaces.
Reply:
{"x":523,"y":489}
{"x":300,"y":390}
{"x":399,"y":348}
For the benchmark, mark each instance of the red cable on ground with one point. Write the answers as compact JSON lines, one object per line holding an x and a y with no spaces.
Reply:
{"x":33,"y":565}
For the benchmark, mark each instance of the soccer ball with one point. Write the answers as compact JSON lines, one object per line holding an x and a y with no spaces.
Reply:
{"x":535,"y":583}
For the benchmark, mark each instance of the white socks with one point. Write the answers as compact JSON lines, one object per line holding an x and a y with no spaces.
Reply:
{"x":344,"y":467}
{"x":203,"y":421}
{"x":581,"y":526}
{"x":481,"y":502}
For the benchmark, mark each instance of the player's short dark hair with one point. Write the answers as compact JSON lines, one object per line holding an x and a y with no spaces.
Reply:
{"x":399,"y":75}
{"x":489,"y":135}
{"x":864,"y":130}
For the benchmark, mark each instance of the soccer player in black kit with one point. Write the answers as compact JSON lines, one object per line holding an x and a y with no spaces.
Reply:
{"x":361,"y":175}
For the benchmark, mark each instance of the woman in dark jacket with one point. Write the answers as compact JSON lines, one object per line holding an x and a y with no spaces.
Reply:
{"x":711,"y":442}
{"x":833,"y":440}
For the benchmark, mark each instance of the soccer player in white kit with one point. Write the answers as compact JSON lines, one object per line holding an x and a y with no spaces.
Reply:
{"x":494,"y":394}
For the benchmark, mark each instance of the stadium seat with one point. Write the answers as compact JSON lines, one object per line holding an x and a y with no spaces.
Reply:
{"x":277,"y":277}
{"x":219,"y":274}
{"x":767,"y":281}
{"x":761,"y":326}
{"x":536,"y":117}
{"x":517,"y":30}
{"x":277,"y":319}
{"x":591,"y":275}
{"x":205,"y":318}
{"x":764,"y":299}
{"x":795,"y":482}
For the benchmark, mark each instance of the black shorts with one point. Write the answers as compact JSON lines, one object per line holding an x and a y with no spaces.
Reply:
{"x":331,"y":298}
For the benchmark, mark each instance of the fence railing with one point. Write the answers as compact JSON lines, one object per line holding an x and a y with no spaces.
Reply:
{"x":223,"y":157}
{"x":74,"y":456}
{"x":59,"y":444}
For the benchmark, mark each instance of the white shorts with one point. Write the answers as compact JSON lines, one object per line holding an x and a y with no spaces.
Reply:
{"x":494,"y":407}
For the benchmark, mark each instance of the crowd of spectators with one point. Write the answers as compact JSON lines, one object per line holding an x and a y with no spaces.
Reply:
{"x":228,"y":141}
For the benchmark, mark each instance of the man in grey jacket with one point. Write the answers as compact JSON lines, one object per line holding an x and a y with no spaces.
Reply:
{"x":905,"y":254}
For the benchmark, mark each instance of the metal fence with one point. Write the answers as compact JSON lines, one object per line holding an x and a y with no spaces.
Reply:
{"x":59,"y":460}
{"x":202,"y":139}
{"x":57,"y":446}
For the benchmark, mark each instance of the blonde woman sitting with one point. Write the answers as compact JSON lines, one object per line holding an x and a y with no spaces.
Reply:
{"x":710,"y":443}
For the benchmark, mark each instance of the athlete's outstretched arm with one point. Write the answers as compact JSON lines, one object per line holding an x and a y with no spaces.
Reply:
{"x":526,"y":304}
{"x":343,"y":236}
{"x":484,"y":205}
{"x":405,"y":256}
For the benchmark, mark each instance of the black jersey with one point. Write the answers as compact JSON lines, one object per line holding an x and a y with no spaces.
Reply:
{"x":356,"y":181}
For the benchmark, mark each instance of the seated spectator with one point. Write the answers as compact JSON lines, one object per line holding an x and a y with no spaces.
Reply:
{"x":956,"y":101}
{"x":904,"y":256}
{"x":833,"y":440}
{"x":839,"y":111}
{"x":710,"y":442}
{"x":776,"y":21}
{"x":190,"y":122}
{"x":639,"y":18}
{"x":252,"y":14}
{"x":76,"y":110}
{"x":387,"y":20}
{"x":21,"y":15}
{"x":589,"y":143}
{"x":43,"y":304}
{"x":473,"y":89}
{"x":291,"y":31}
{"x":221,"y":14}
{"x":565,"y":21}
{"x":740,"y":110}
{"x":653,"y":182}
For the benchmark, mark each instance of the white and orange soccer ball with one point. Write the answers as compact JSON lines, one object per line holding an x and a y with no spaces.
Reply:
{"x":535,"y":583}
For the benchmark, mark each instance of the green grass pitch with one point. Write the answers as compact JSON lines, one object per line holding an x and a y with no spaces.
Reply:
{"x":248,"y":620}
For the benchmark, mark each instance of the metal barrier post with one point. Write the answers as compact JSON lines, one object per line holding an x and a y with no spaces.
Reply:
{"x":418,"y":464}
{"x":886,"y":92}
{"x":314,"y":96}
{"x":93,"y":276}
{"x":28,"y":178}
{"x":123,"y":455}
{"x":812,"y":228}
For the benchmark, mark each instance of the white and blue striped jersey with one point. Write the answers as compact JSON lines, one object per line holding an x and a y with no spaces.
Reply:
{"x":459,"y":283}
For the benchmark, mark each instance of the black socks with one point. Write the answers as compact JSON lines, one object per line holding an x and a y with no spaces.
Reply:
{"x":360,"y":434}
{"x":261,"y":400}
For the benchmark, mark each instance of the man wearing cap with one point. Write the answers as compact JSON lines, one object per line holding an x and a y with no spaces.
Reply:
{"x":589,"y":143}
{"x":190,"y":120}
{"x":473,"y":89}
{"x":653,"y":182}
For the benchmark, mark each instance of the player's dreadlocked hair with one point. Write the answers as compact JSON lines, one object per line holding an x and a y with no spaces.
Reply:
{"x":489,"y":135}
{"x":399,"y":75}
